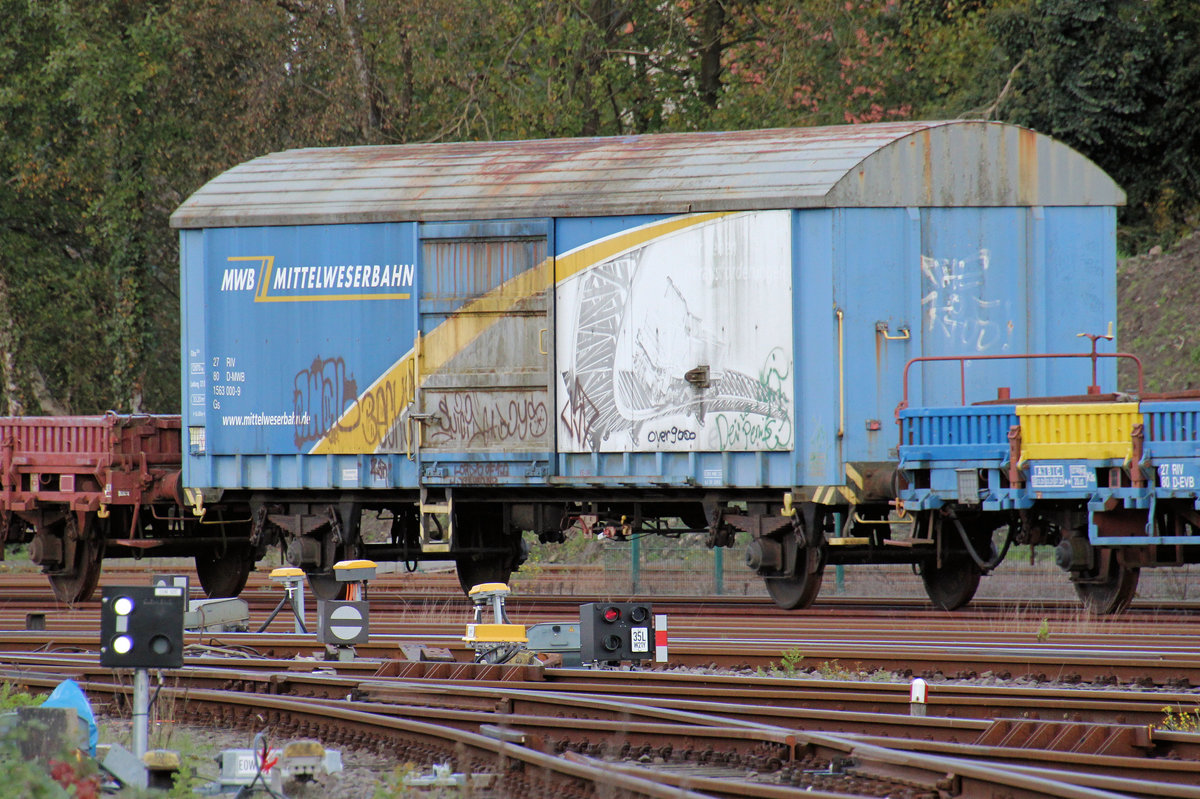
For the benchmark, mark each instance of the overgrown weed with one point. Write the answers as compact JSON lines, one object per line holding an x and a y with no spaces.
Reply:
{"x":787,"y":666}
{"x":1180,"y":720}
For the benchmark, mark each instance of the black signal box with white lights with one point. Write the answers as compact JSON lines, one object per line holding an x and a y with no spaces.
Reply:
{"x":616,"y":631}
{"x":141,"y":627}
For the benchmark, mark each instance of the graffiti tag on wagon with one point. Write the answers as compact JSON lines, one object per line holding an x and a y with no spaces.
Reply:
{"x":765,"y":422}
{"x":480,"y":473}
{"x":380,"y":469}
{"x":579,"y":414}
{"x":672,"y":435}
{"x":321,"y":393}
{"x":744,"y":431}
{"x":483,"y":419}
{"x":329,"y":396}
{"x":954,"y":302}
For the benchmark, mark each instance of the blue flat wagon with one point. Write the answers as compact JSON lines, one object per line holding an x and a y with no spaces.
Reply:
{"x":1110,"y":480}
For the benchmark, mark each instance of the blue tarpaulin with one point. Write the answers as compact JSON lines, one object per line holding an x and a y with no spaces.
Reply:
{"x":68,"y":694}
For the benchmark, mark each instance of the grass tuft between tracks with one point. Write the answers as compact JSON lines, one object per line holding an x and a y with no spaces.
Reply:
{"x":789,"y":667}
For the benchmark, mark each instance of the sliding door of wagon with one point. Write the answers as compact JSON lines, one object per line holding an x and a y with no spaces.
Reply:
{"x":487,"y":351}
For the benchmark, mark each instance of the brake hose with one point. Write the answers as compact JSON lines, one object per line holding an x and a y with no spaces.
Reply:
{"x":984,"y":566}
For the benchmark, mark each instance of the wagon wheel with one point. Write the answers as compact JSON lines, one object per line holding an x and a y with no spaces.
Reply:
{"x":325,"y":585}
{"x":475,"y":572}
{"x":482,"y":527}
{"x":224,"y":573}
{"x":79,"y":576}
{"x":799,"y":590}
{"x":344,"y":520}
{"x":795,"y":592}
{"x":953,"y":584}
{"x":1115,"y":593}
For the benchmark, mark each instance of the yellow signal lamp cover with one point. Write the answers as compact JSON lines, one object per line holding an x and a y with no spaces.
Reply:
{"x":347,"y":571}
{"x":496,"y":634}
{"x":303,"y":748}
{"x":488,"y":588}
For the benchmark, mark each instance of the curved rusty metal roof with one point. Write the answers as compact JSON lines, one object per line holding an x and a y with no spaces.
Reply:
{"x":897,"y":164}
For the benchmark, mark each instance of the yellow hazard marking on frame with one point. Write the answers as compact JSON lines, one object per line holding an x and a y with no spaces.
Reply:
{"x":834,"y":495}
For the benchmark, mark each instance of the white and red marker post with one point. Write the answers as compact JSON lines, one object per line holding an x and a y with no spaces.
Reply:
{"x":660,"y":638}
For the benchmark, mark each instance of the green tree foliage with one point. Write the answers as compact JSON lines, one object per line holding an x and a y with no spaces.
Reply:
{"x":814,"y":62}
{"x":81,"y":90}
{"x":114,"y":112}
{"x":41,"y":210}
{"x":532,"y":69}
{"x":1119,"y":80}
{"x":948,"y":60}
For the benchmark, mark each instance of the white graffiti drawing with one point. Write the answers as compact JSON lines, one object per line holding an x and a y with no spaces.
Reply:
{"x":954,"y":303}
{"x":649,"y":360}
{"x":640,"y":325}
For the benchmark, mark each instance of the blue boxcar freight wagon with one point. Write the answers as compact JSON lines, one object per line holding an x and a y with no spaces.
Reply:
{"x":699,"y":331}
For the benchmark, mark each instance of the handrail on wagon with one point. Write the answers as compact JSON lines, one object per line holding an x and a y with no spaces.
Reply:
{"x":962,"y":368}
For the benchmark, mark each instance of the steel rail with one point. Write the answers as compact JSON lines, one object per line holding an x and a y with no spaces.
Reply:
{"x":683,"y":726}
{"x":754,"y":698}
{"x":437,"y":594}
{"x":1180,"y":750}
{"x":1129,"y":633}
{"x":747,"y":693}
{"x":469,"y":750}
{"x":1101,"y":660}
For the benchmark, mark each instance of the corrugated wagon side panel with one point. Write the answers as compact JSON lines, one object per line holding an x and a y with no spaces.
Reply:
{"x":876,"y":287}
{"x":974,"y":267}
{"x":193,"y":390}
{"x":486,"y":317}
{"x":294,"y":338}
{"x":1080,"y":278}
{"x":815,"y":323}
{"x":1007,"y":281}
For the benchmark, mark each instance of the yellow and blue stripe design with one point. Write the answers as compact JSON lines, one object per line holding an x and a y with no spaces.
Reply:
{"x":475,"y":318}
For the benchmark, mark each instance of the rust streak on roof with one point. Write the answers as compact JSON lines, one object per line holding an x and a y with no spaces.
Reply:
{"x":880,"y":165}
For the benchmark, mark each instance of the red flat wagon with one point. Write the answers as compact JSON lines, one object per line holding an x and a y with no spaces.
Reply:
{"x":79,"y":489}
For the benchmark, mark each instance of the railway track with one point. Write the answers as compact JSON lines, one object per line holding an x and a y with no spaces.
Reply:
{"x":770,"y":694}
{"x":1145,"y":647}
{"x":1093,"y":662}
{"x":755,"y":703}
{"x":980,"y":739}
{"x":566,"y":587}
